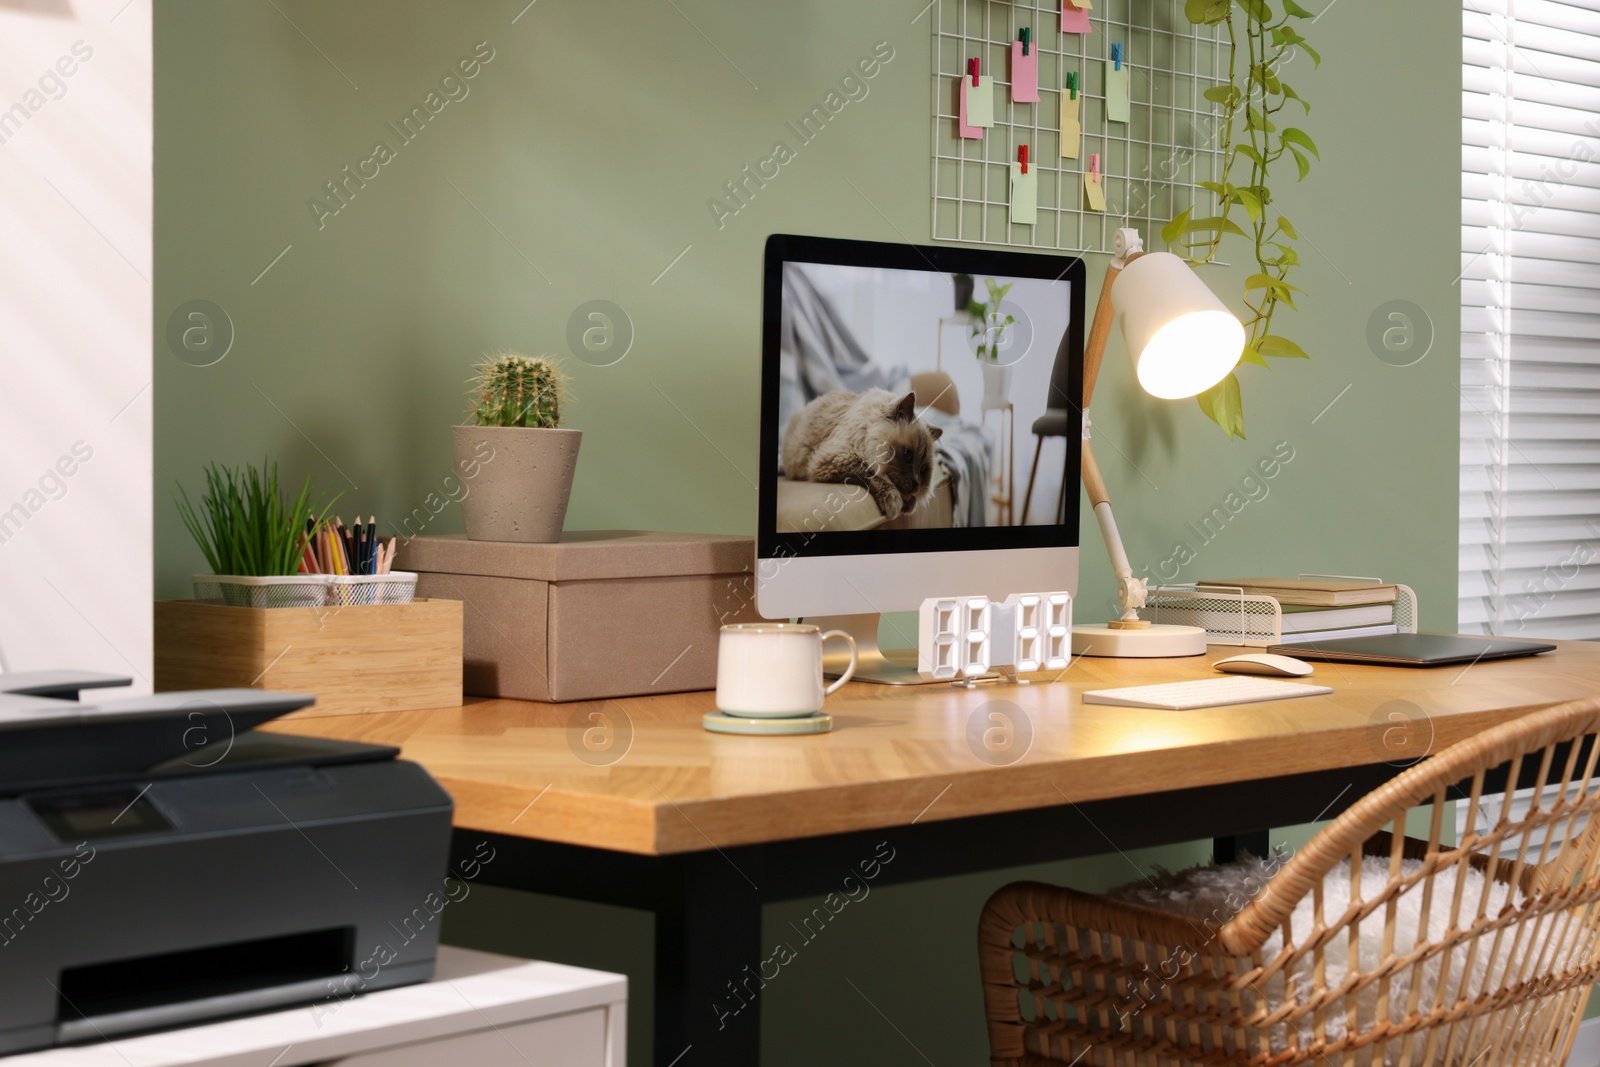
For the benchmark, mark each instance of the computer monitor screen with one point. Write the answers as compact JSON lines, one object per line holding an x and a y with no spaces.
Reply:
{"x":916,"y":401}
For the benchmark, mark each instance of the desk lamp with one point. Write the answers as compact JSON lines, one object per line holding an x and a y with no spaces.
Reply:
{"x":1183,"y":340}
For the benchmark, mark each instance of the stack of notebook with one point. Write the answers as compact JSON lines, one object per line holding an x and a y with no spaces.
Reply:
{"x":1322,"y":610}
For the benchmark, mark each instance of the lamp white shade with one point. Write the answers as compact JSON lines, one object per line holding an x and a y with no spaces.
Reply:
{"x":1182,"y":338}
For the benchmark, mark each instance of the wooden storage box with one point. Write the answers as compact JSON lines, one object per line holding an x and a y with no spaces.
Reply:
{"x":378,"y":657}
{"x":605,"y":613}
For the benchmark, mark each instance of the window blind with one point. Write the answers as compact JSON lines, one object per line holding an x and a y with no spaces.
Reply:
{"x":1530,"y":318}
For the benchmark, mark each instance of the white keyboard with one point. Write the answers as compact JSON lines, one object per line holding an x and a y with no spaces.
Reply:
{"x":1205,"y":693}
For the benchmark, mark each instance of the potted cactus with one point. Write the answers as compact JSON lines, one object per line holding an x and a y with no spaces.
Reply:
{"x":521,"y":492}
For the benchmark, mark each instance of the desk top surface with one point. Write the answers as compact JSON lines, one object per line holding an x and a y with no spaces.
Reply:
{"x":641,"y":775}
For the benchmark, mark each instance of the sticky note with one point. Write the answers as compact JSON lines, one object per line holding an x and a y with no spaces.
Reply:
{"x":1071,"y":128}
{"x":1074,"y":19}
{"x":964,"y":127}
{"x":1024,"y":194}
{"x":977,"y":103}
{"x":1116,"y":92}
{"x":1094,"y":191}
{"x":1024,"y":74}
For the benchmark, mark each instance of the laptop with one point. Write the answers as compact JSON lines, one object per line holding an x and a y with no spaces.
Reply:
{"x":1414,"y":650}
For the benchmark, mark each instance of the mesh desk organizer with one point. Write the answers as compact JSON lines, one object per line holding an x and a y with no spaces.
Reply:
{"x":1239,"y":618}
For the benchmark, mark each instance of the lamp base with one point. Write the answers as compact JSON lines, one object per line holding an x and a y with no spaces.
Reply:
{"x":1153,"y":642}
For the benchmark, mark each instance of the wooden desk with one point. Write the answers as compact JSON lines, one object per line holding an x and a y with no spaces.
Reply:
{"x":703,"y":828}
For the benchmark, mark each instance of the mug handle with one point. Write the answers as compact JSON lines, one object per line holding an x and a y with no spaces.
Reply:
{"x":848,"y":671}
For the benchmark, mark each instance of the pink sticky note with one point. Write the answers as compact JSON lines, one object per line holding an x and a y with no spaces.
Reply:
{"x":1074,"y":19}
{"x":961,"y":120}
{"x":1024,"y":73}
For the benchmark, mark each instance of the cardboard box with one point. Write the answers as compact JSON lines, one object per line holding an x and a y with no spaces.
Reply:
{"x":375,"y":657}
{"x":603,"y":613}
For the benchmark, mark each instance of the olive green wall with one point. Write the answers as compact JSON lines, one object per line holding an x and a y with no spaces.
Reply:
{"x":578,"y":168}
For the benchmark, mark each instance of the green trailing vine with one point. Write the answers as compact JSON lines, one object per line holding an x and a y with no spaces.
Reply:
{"x":1252,"y":142}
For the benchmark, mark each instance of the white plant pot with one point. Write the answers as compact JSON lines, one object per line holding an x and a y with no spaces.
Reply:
{"x":996,"y":384}
{"x":521,"y":490}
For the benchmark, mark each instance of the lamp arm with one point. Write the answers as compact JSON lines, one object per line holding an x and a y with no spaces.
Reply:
{"x":1131,"y":591}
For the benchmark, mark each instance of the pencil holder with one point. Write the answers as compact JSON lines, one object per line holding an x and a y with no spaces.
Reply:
{"x":396,"y":587}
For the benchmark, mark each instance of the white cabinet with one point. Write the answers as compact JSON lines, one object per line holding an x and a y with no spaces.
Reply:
{"x":480,"y":1009}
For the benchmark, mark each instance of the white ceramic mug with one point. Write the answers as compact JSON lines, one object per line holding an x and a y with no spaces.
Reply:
{"x":773,"y":670}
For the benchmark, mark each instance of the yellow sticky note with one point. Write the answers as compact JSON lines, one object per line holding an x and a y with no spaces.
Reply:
{"x":980,"y":100}
{"x":1071,"y":128}
{"x":1082,"y":5}
{"x":1094,"y":191}
{"x":1024,"y":194}
{"x":1116,"y":92}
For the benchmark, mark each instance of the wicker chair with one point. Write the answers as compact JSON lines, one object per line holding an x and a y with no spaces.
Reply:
{"x":1074,"y":978}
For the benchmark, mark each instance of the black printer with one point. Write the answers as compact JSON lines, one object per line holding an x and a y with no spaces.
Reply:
{"x":162,"y":864}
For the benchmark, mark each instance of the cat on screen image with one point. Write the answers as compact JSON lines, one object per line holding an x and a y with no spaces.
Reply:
{"x":873,"y":440}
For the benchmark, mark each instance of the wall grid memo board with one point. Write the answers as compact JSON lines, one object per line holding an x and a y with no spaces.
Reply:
{"x":1149,"y":165}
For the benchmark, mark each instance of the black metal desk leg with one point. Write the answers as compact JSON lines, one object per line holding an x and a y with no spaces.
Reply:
{"x":708,"y":960}
{"x":1229,"y":849}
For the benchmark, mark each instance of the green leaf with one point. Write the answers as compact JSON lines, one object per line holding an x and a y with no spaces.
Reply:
{"x":1250,"y":355}
{"x":1262,"y":75}
{"x":1281,"y":347}
{"x":1262,"y":281}
{"x":1219,"y":188}
{"x":1223,"y":406}
{"x":1213,"y":223}
{"x":1176,"y":228}
{"x":1226,"y":95}
{"x":1296,"y":10}
{"x":1255,"y":120}
{"x":1316,"y":59}
{"x":1289,"y":92}
{"x":1287,"y":255}
{"x":1207,"y":12}
{"x":1293,"y":136}
{"x":1251,"y":203}
{"x":1287,"y":227}
{"x":1300,"y":161}
{"x":1251,"y":154}
{"x":1257,"y":10}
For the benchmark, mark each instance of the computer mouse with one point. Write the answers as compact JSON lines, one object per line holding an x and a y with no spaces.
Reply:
{"x":1264,"y":663}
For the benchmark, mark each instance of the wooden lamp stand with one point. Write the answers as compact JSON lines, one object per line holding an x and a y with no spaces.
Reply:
{"x":1128,"y":635}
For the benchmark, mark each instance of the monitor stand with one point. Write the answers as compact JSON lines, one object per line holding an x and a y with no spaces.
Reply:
{"x":895,"y":666}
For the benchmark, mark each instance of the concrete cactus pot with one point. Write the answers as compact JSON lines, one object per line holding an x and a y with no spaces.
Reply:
{"x":521,"y":491}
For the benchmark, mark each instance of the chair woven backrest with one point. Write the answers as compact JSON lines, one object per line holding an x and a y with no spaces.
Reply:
{"x":1367,"y":947}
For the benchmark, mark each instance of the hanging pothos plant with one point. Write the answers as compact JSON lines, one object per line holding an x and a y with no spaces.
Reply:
{"x":1250,"y":148}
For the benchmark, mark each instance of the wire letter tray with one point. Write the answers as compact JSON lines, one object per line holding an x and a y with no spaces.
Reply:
{"x":1245,"y":618}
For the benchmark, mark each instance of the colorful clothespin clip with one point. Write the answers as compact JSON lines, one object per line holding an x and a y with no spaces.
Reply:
{"x":1116,"y":56}
{"x":972,"y":70}
{"x":1072,"y":83}
{"x":1026,"y":34}
{"x":1022,"y":157}
{"x":1094,"y":165}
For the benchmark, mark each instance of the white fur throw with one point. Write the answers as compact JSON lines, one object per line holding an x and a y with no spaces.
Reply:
{"x":1220,"y":892}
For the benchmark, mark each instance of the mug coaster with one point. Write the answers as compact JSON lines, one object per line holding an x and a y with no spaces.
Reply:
{"x":723,"y":723}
